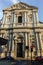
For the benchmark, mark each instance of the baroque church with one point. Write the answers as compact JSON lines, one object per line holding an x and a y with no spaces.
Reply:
{"x":20,"y":25}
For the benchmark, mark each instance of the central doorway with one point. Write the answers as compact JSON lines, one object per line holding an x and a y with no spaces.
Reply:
{"x":19,"y":49}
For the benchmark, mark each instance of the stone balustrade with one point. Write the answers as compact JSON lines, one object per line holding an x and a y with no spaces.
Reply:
{"x":12,"y":25}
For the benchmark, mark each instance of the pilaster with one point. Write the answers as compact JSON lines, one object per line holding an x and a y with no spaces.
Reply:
{"x":37,"y":17}
{"x":37,"y":44}
{"x":29,"y":46}
{"x":26,"y":44}
{"x":15,"y":21}
{"x":40,"y":49}
{"x":25,"y":18}
{"x":34,"y":18}
{"x":4,"y":19}
{"x":41,"y":44}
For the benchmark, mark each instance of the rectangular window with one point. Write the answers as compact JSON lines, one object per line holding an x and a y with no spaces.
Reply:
{"x":20,"y":19}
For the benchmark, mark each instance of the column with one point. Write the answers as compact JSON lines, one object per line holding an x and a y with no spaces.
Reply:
{"x":26,"y":38}
{"x":25,"y":19}
{"x":15,"y":19}
{"x":37,"y":44}
{"x":25,"y":45}
{"x":12,"y":52}
{"x":10,"y":42}
{"x":34,"y":19}
{"x":12,"y":19}
{"x":37,"y":16}
{"x":13,"y":42}
{"x":4,"y":19}
{"x":15,"y":47}
{"x":41,"y":44}
{"x":10,"y":45}
{"x":29,"y":46}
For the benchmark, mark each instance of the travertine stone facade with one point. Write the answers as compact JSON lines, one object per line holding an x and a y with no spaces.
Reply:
{"x":21,"y":26}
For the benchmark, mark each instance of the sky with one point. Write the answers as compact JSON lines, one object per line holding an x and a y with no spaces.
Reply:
{"x":38,"y":3}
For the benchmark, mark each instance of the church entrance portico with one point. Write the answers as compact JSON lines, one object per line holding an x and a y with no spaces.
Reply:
{"x":19,"y":47}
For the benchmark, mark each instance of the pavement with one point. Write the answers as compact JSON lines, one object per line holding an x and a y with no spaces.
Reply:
{"x":19,"y":62}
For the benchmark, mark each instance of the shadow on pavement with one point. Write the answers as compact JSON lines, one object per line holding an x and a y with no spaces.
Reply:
{"x":11,"y":61}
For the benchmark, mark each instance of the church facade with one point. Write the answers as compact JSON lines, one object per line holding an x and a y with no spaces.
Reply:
{"x":21,"y":26}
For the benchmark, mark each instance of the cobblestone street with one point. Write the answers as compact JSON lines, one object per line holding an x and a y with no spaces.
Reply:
{"x":19,"y":62}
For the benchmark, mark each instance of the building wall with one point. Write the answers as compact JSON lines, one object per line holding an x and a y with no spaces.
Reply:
{"x":30,"y":30}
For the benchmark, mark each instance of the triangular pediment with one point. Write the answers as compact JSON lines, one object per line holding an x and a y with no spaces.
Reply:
{"x":21,"y":5}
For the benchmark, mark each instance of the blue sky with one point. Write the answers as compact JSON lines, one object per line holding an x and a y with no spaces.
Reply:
{"x":39,"y":3}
